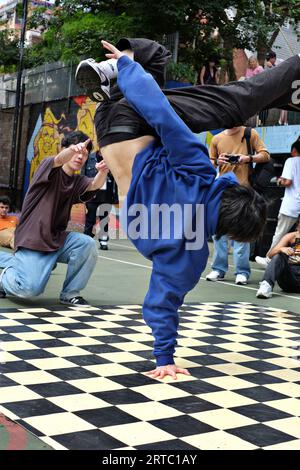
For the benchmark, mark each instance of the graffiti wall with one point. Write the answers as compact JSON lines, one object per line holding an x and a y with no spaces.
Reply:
{"x":48,"y":125}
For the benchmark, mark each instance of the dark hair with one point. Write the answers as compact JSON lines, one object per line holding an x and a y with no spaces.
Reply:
{"x":271,"y":55}
{"x":76,"y":137}
{"x":296,"y":146}
{"x":6,"y":201}
{"x":242,"y":214}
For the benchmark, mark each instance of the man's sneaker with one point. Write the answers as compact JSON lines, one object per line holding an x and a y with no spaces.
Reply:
{"x":264,"y":291}
{"x":263,"y":262}
{"x":241,"y":280}
{"x":214,"y":276}
{"x":93,"y":80}
{"x":75,"y":302}
{"x":103,"y":245}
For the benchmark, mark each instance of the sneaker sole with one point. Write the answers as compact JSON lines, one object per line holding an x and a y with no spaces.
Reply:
{"x":241,"y":283}
{"x":63,"y":302}
{"x":261,"y":296}
{"x":88,"y":79}
{"x":215,"y":280}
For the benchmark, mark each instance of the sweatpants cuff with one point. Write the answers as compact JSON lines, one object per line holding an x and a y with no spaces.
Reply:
{"x":164,"y":360}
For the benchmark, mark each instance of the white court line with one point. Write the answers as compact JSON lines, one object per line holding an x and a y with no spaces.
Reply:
{"x":134,"y":249}
{"x":203,"y":278}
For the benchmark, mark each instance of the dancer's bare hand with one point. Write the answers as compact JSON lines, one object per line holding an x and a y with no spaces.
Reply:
{"x":102,"y":167}
{"x":162,"y":371}
{"x":114,"y":52}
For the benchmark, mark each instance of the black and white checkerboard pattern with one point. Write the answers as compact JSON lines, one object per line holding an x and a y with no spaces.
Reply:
{"x":74,"y":377}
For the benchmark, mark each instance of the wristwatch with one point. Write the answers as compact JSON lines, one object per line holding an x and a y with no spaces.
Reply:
{"x":251,"y":158}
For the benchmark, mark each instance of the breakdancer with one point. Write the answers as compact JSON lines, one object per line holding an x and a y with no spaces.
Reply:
{"x":164,"y":163}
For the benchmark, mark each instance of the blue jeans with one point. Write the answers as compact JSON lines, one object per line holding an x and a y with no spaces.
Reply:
{"x":241,"y":252}
{"x":27,"y":272}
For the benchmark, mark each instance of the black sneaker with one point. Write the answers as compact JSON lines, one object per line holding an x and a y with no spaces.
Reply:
{"x":75,"y":302}
{"x":93,"y":80}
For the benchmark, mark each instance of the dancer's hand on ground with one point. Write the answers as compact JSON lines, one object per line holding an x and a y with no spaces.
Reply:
{"x":102,"y":168}
{"x":114,"y":52}
{"x":162,"y":371}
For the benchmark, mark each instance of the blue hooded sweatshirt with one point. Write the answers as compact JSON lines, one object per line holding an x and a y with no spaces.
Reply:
{"x":171,"y":208}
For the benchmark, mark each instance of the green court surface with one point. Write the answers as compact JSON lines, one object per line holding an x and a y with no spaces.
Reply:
{"x":121,"y":277}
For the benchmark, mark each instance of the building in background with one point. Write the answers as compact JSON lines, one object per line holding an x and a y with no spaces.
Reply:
{"x":11,"y":19}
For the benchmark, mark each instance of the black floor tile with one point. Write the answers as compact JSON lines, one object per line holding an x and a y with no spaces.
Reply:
{"x":37,"y":407}
{"x":197,"y":386}
{"x":133,"y":380}
{"x":88,"y":360}
{"x":16,"y":366}
{"x":181,"y":426}
{"x":190,"y":404}
{"x":174,"y":444}
{"x":260,"y":378}
{"x":54,"y":389}
{"x":72,"y":373}
{"x":88,"y":440}
{"x":260,"y":412}
{"x":205,"y":372}
{"x":33,"y":354}
{"x":261,"y":394}
{"x":100,"y":348}
{"x":260,"y":435}
{"x":109,"y":416}
{"x":262,"y":366}
{"x":121,"y":397}
{"x":6,"y":382}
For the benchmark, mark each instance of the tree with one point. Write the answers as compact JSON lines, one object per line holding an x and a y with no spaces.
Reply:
{"x":9,"y":53}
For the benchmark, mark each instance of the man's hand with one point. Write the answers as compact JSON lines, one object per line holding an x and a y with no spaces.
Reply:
{"x":244,"y":158}
{"x":102,"y":168}
{"x":68,"y":153}
{"x":222,"y":159}
{"x":162,"y":371}
{"x":115,"y":53}
{"x":287,"y":250}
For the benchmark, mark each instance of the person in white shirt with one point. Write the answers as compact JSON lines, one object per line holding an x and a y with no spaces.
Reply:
{"x":290,"y":206}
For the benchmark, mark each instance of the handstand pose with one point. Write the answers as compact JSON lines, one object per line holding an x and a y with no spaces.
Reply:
{"x":163,"y":162}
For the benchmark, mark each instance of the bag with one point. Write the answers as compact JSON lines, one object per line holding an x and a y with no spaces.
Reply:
{"x":262,"y":173}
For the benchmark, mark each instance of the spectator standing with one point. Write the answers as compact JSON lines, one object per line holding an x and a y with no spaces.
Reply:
{"x":290,"y":206}
{"x":223,"y":145}
{"x":253,"y":68}
{"x":209,"y":73}
{"x":102,"y":201}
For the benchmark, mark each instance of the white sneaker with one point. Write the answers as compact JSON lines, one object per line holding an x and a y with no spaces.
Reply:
{"x":214,"y":276}
{"x":263,"y":262}
{"x":241,"y":280}
{"x":264,"y":291}
{"x":90,"y":76}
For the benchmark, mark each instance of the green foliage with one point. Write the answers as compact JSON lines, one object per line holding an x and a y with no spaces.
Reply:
{"x":181,"y":72}
{"x":8,"y":51}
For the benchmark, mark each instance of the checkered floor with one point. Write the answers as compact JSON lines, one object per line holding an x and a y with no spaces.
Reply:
{"x":74,"y":378}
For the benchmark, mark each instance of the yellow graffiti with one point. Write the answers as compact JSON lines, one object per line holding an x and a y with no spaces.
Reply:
{"x":48,"y":139}
{"x":85,"y":119}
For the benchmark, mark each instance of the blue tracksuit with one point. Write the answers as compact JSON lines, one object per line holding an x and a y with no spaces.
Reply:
{"x":175,"y":170}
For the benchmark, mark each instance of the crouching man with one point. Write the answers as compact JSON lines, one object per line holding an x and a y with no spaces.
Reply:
{"x":41,"y":239}
{"x":284,"y":266}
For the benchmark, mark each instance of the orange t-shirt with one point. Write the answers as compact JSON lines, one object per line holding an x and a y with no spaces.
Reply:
{"x":8,"y":222}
